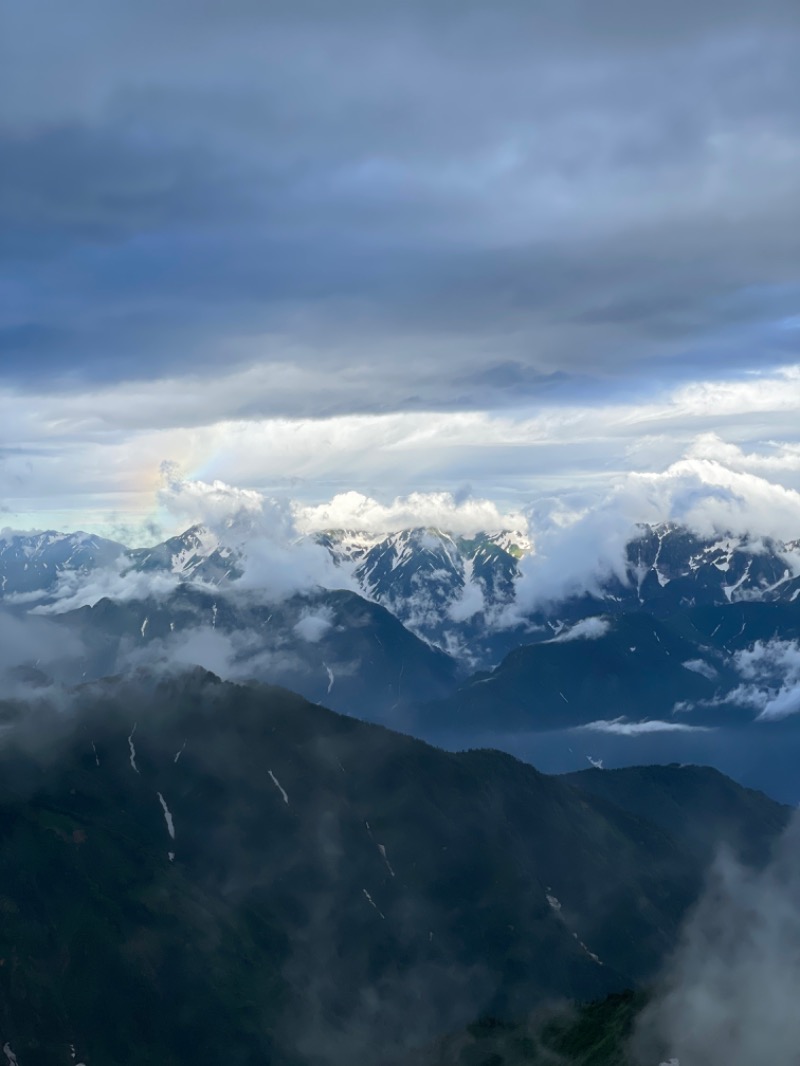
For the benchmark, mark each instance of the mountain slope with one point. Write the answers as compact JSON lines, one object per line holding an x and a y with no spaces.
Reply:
{"x":253,"y":878}
{"x":630,"y":665}
{"x":332,"y":647}
{"x":671,"y":796}
{"x":31,"y":563}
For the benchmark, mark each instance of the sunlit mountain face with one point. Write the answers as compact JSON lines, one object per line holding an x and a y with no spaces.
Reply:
{"x":399,"y":533}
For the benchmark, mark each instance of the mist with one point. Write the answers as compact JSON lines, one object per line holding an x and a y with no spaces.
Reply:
{"x":729,"y":994}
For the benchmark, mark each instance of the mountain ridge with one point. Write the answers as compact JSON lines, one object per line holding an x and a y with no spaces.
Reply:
{"x":258,"y":876}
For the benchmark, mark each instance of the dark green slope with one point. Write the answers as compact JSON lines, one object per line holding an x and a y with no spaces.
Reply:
{"x":672,"y":797}
{"x":594,"y":1034}
{"x":338,"y":893}
{"x":731,"y":627}
{"x":634,"y":669}
{"x":355,"y":657}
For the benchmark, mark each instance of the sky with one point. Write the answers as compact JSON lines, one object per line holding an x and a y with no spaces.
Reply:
{"x":499,"y":250}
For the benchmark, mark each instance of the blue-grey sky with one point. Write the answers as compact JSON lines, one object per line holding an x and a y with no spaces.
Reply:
{"x":312,"y":230}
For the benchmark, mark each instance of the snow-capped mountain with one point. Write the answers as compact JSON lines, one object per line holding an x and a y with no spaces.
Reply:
{"x":30,"y":563}
{"x":196,"y":554}
{"x":450,"y":590}
{"x":441,"y":586}
{"x":670,"y":568}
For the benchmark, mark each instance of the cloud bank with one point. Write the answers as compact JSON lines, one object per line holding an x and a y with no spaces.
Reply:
{"x":581,"y":542}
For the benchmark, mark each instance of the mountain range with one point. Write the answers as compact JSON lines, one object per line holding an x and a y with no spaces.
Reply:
{"x":236,"y":875}
{"x":435,"y":582}
{"x":695,"y":646}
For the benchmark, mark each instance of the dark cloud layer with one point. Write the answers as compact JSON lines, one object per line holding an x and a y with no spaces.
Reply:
{"x":511,"y":196}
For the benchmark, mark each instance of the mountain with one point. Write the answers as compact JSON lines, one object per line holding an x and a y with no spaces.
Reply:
{"x":31,"y":563}
{"x":630,"y":665}
{"x":240,"y":876}
{"x":714,"y":666}
{"x":197,"y":554}
{"x":331,"y":646}
{"x":441,"y":586}
{"x":592,"y":1034}
{"x":452,"y":591}
{"x":670,"y":797}
{"x":669,"y":569}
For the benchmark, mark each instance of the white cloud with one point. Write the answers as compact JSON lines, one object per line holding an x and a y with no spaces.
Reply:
{"x":469,"y":603}
{"x":624,"y":728}
{"x":312,"y":627}
{"x":728,"y":996}
{"x":587,"y":629}
{"x":771,"y":678}
{"x":697,"y":666}
{"x":581,"y":541}
{"x":775,"y":458}
{"x":76,"y":589}
{"x":438,"y":510}
{"x":92,"y":458}
{"x":275,"y":559}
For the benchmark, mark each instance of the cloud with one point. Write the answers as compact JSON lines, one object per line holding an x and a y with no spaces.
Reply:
{"x":579,"y":543}
{"x":36,"y":651}
{"x":439,"y":510}
{"x":471,"y":599}
{"x":281,"y":194}
{"x":727,"y":997}
{"x":312,"y":626}
{"x":698,"y":666}
{"x":76,"y":588}
{"x":623,"y":728}
{"x":587,"y":629}
{"x":275,"y":559}
{"x":771,"y":678}
{"x":93,"y":456}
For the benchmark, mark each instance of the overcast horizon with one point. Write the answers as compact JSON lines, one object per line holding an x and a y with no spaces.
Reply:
{"x":546,"y":257}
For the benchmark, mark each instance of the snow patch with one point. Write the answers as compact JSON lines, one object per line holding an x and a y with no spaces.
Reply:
{"x":167,"y":815}
{"x":372,"y":902}
{"x":277,"y":784}
{"x":132,"y":748}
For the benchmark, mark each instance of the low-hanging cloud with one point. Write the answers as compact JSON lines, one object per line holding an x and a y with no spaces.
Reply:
{"x":586,"y":629}
{"x":274,"y":556}
{"x":36,"y":651}
{"x":770,"y":672}
{"x":728,"y":996}
{"x":581,"y":543}
{"x":622,"y":727}
{"x":458,"y":513}
{"x":313,"y":625}
{"x":76,"y":588}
